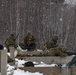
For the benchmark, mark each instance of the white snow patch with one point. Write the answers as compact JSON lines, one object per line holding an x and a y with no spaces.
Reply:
{"x":22,"y":72}
{"x":20,"y":62}
{"x":39,"y":50}
{"x":41,"y":64}
{"x":35,"y":62}
{"x":64,"y":65}
{"x":11,"y":71}
{"x":5,"y":48}
{"x":9,"y":67}
{"x":20,"y":49}
{"x":46,"y":65}
{"x":8,"y":54}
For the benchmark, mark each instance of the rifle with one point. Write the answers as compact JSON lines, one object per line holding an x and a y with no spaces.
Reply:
{"x":16,"y":36}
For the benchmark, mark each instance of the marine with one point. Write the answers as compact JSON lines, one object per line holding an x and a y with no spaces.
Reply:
{"x":30,"y":42}
{"x":52,"y":47}
{"x":11,"y":41}
{"x":52,"y":43}
{"x":54,"y":52}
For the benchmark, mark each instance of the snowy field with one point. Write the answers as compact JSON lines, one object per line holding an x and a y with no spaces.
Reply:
{"x":10,"y":69}
{"x":22,"y":72}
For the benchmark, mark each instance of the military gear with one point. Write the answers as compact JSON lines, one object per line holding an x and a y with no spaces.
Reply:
{"x":59,"y":52}
{"x":52,"y":43}
{"x":54,"y":52}
{"x":29,"y":64}
{"x":55,"y":38}
{"x":30,"y":42}
{"x":11,"y":41}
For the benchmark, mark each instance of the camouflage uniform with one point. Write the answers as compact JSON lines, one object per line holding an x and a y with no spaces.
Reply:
{"x":11,"y":41}
{"x":59,"y":52}
{"x":51,"y":44}
{"x":54,"y":52}
{"x":30,"y":42}
{"x":53,"y":48}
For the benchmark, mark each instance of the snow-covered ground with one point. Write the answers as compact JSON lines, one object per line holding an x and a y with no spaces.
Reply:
{"x":41,"y":64}
{"x":21,"y":72}
{"x":10,"y":69}
{"x":19,"y":63}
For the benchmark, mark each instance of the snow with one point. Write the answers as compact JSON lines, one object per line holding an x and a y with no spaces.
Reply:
{"x":64,"y":65}
{"x":9,"y":67}
{"x":20,"y":49}
{"x":19,"y":63}
{"x":10,"y":71}
{"x":35,"y":62}
{"x":41,"y":64}
{"x":46,"y":65}
{"x":8,"y":54}
{"x":22,"y":72}
{"x":39,"y":50}
{"x":5,"y":48}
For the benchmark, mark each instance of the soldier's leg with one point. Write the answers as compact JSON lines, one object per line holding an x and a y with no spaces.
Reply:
{"x":28,"y":47}
{"x":7,"y":46}
{"x":32,"y":46}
